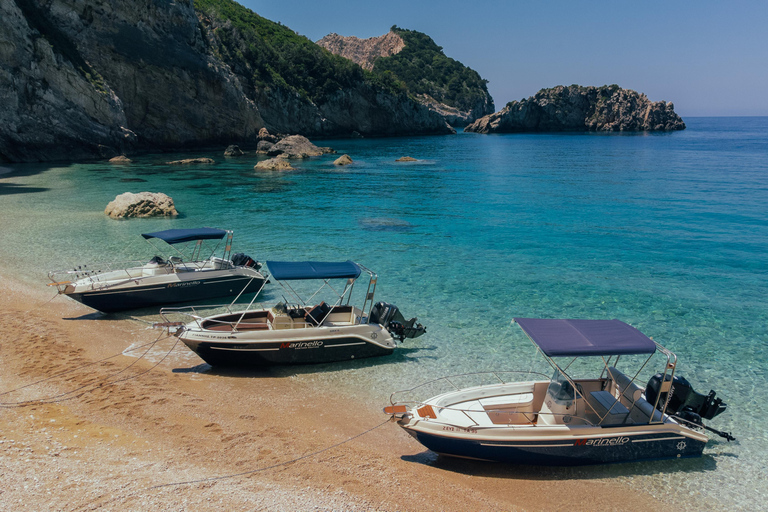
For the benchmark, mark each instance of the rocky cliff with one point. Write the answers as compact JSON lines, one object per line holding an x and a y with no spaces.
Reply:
{"x":444,"y":85}
{"x":576,"y":108}
{"x":94,"y":78}
{"x":363,"y":52}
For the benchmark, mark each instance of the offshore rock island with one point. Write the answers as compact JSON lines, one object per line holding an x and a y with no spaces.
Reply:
{"x":575,"y":108}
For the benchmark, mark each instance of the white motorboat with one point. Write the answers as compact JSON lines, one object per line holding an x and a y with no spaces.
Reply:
{"x":174,"y":279}
{"x":566,"y":420}
{"x":299,"y":331}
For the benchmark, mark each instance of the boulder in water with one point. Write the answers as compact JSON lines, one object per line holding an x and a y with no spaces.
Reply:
{"x":143,"y":204}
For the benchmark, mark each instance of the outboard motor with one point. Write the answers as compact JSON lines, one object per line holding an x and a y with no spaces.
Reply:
{"x":682,"y":400}
{"x":390,"y":317}
{"x":243,"y":260}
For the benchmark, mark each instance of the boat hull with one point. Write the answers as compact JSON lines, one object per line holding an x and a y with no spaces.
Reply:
{"x":608,"y":447}
{"x":287,"y":353}
{"x":288,"y":347}
{"x":147,"y":294}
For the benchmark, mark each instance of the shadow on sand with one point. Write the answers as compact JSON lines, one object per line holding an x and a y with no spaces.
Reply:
{"x":400,"y":355}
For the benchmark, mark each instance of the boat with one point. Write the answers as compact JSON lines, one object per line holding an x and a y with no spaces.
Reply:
{"x":183,"y":276}
{"x":299,"y":330}
{"x":522,"y":418}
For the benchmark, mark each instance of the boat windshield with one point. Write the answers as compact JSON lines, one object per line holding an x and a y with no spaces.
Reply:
{"x":560,"y":389}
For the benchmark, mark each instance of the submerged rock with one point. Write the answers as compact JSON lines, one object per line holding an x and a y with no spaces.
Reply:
{"x":274,"y":164}
{"x":233,"y":151}
{"x":122,"y":159}
{"x":406,"y":159}
{"x":188,"y":161}
{"x":343,"y":160}
{"x":385,"y":224}
{"x":575,"y":108}
{"x":143,"y":204}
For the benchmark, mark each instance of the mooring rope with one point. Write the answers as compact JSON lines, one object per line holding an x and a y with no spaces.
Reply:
{"x":63,"y":396}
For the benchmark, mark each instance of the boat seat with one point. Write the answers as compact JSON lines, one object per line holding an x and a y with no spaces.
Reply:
{"x":317,"y":314}
{"x":608,"y":407}
{"x":242,"y":326}
{"x":640,"y":409}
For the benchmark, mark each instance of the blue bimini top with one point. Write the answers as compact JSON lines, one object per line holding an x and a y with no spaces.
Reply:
{"x":177,"y":236}
{"x":585,"y":337}
{"x":292,"y":270}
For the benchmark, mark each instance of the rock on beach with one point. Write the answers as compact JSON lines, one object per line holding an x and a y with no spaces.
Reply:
{"x":143,"y":204}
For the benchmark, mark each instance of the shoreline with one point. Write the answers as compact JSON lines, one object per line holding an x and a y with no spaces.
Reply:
{"x":120,"y":427}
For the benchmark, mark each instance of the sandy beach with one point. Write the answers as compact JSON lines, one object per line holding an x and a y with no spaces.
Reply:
{"x":84,"y":427}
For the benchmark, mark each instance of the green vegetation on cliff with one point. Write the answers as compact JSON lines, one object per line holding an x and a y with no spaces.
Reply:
{"x":272,"y":56}
{"x":425,"y":69}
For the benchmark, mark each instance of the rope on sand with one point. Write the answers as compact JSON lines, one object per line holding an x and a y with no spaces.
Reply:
{"x":279,"y":464}
{"x":63,"y":396}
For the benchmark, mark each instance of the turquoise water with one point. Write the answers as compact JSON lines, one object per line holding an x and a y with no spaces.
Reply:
{"x":668,"y":232}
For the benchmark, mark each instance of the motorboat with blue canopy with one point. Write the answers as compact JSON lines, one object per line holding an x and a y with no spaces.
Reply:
{"x":301,"y":329}
{"x":515,"y":417}
{"x":189,"y":271}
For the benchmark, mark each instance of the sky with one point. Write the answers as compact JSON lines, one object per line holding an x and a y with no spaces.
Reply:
{"x":709,"y":58}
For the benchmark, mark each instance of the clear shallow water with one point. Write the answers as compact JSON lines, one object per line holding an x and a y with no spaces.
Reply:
{"x":668,"y":232}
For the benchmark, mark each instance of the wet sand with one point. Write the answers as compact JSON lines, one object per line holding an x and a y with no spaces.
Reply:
{"x":157,"y":434}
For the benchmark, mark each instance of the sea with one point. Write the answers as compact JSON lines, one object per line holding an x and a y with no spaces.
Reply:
{"x":665,"y":231}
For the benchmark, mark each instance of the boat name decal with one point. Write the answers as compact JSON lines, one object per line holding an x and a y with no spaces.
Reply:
{"x":461,"y":429}
{"x":302,"y":344}
{"x":186,"y":283}
{"x":607,"y":441}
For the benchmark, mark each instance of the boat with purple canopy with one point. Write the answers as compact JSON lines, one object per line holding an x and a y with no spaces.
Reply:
{"x":566,"y":420}
{"x":185,"y":274}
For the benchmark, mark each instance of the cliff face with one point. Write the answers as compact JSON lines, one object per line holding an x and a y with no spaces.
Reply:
{"x":52,"y":103}
{"x":363,"y":52}
{"x":94,"y":78}
{"x":442,"y":84}
{"x":576,"y":108}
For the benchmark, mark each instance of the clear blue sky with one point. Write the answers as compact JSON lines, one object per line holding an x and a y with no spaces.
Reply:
{"x":709,"y":58}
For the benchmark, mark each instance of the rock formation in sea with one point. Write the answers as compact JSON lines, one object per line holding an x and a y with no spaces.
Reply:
{"x":233,"y":151}
{"x":189,"y":161}
{"x":576,"y":108}
{"x":442,"y":84}
{"x":143,"y":204}
{"x":274,"y":164}
{"x":343,"y":160}
{"x":296,"y":146}
{"x":95,"y":79}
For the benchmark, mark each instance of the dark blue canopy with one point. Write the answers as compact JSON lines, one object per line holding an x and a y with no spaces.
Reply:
{"x":177,"y":236}
{"x":586,"y":337}
{"x":290,"y":270}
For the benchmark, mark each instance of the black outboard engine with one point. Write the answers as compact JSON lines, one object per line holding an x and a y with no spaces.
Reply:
{"x":243,"y":260}
{"x":390,"y":317}
{"x":683,"y":401}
